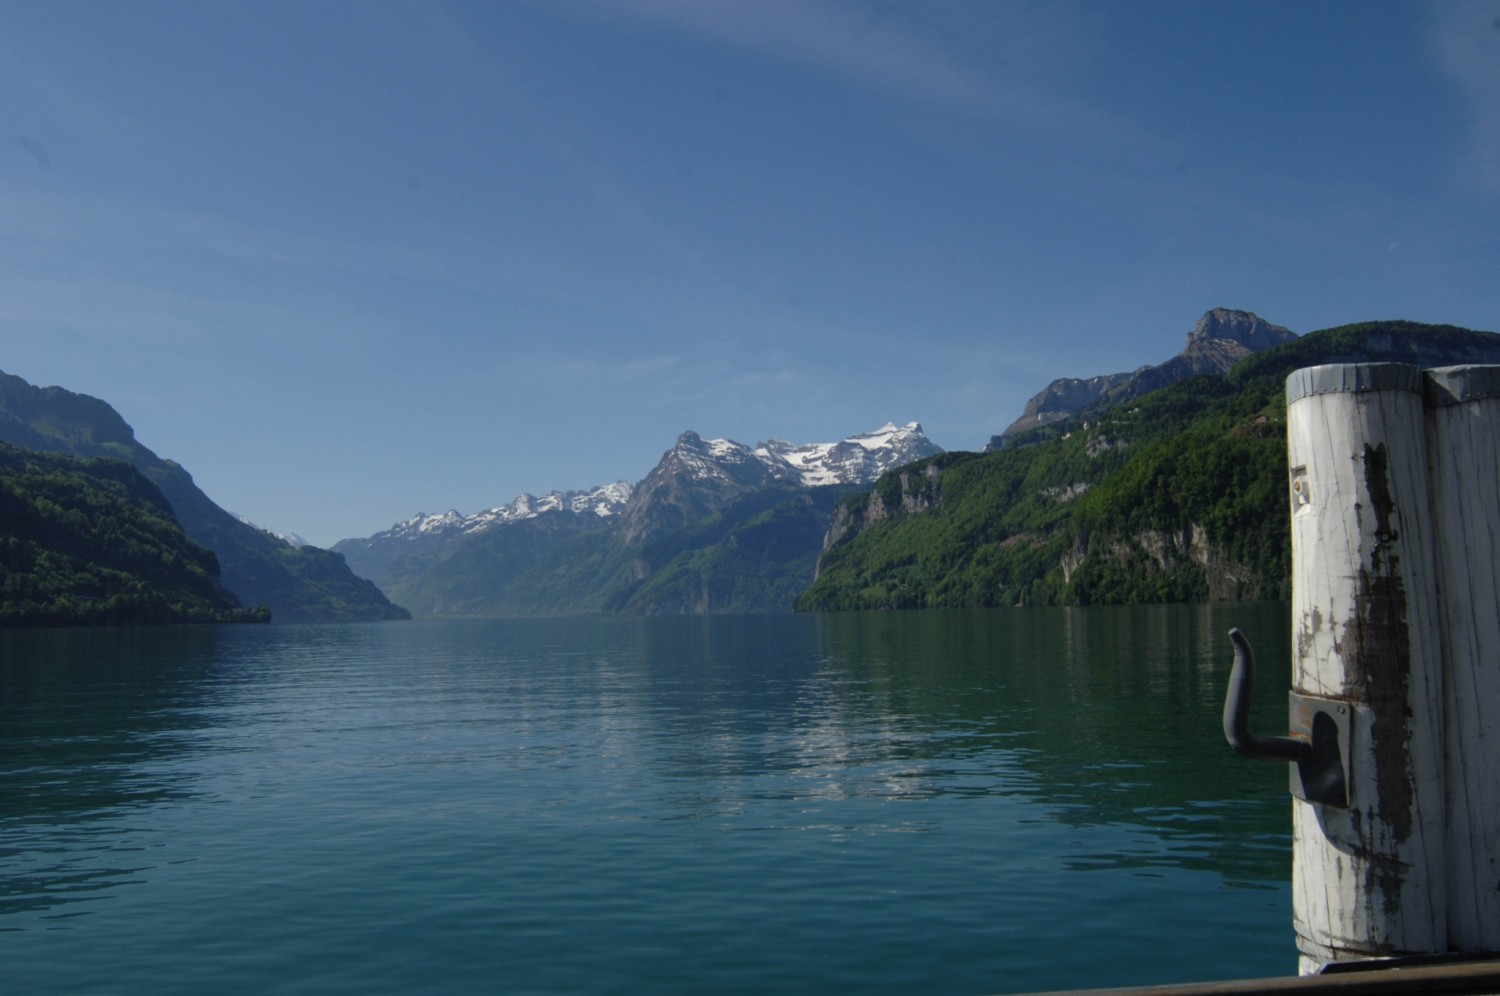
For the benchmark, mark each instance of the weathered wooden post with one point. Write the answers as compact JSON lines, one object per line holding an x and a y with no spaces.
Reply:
{"x":1369,"y":876}
{"x":1463,"y":431}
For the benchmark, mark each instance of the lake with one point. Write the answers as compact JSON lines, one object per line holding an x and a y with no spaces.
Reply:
{"x":958,"y":802}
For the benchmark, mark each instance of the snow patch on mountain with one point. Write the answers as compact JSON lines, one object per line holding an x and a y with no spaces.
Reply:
{"x":603,"y":502}
{"x":857,"y":459}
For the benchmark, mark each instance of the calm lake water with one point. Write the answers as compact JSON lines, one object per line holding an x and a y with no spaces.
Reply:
{"x":956,"y":802}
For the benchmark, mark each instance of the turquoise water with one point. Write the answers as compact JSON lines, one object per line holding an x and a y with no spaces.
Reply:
{"x":958,"y":802}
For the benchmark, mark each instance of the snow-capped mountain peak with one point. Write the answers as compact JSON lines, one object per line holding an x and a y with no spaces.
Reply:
{"x":857,"y":459}
{"x":698,"y":476}
{"x":603,"y":502}
{"x":892,"y":436}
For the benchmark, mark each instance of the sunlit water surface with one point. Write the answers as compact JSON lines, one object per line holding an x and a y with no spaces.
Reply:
{"x":957,"y":802}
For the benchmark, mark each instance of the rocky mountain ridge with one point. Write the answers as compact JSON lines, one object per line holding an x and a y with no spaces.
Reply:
{"x":1219,"y":340}
{"x":855,"y":459}
{"x":604,"y":502}
{"x":383,"y":556}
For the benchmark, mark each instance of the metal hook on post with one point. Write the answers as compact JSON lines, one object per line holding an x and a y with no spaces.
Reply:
{"x":1237,"y":712}
{"x":1320,"y":754}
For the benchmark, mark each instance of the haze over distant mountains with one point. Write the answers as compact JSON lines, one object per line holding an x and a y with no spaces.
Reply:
{"x":717,"y":525}
{"x":649,"y":546}
{"x":676,"y":541}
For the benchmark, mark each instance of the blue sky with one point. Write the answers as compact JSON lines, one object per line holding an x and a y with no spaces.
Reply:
{"x":350,"y":261}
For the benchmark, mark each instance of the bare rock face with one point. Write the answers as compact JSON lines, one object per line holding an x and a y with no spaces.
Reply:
{"x":1219,"y":340}
{"x":1061,"y":399}
{"x":1247,"y":329}
{"x":695,"y":478}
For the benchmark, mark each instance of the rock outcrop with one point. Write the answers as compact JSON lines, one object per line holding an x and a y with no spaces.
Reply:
{"x":1219,"y":340}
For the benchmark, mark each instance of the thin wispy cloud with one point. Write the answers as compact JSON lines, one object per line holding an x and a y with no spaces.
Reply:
{"x":847,"y":40}
{"x":866,"y":47}
{"x":1466,"y":39}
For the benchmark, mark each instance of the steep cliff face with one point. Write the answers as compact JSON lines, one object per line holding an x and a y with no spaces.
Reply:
{"x":908,"y":491}
{"x":1184,"y":562}
{"x":1219,"y":340}
{"x":1242,"y":327}
{"x":764,"y":560}
{"x":1060,"y":399}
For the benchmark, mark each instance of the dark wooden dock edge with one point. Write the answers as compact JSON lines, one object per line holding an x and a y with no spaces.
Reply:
{"x":1461,"y":978}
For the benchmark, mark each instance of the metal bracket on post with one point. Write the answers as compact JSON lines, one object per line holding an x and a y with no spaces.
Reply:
{"x":1320,"y":740}
{"x":1323,"y":775}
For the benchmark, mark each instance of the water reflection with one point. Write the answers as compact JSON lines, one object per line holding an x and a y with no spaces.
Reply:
{"x":1102,"y":717}
{"x":90,"y":724}
{"x":839,"y":727}
{"x":1114,"y":713}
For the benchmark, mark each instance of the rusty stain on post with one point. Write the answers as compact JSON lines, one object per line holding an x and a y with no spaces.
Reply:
{"x":1367,"y":880}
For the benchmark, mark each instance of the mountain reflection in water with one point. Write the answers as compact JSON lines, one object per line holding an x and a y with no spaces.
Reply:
{"x":865,"y":802}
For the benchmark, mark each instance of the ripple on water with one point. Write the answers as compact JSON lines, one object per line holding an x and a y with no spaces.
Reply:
{"x":810,"y":802}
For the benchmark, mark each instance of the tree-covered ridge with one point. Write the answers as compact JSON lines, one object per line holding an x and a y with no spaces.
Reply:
{"x":93,"y":542}
{"x":1175,"y":496}
{"x":303,"y":584}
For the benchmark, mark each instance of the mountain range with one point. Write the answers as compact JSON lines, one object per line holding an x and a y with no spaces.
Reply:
{"x":1177,"y":495}
{"x":393,"y":553}
{"x":296,"y":584}
{"x":716,"y":525}
{"x":719,"y":525}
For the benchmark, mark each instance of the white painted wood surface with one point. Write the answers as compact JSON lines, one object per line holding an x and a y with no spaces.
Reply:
{"x":1368,"y":880}
{"x":1463,"y":432}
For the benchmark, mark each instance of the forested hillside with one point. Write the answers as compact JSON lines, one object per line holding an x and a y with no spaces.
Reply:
{"x":298,"y":584}
{"x":1175,"y":496}
{"x":91,"y":542}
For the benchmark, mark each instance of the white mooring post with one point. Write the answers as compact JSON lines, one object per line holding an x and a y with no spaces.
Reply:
{"x":1368,"y":878}
{"x":1463,"y":433}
